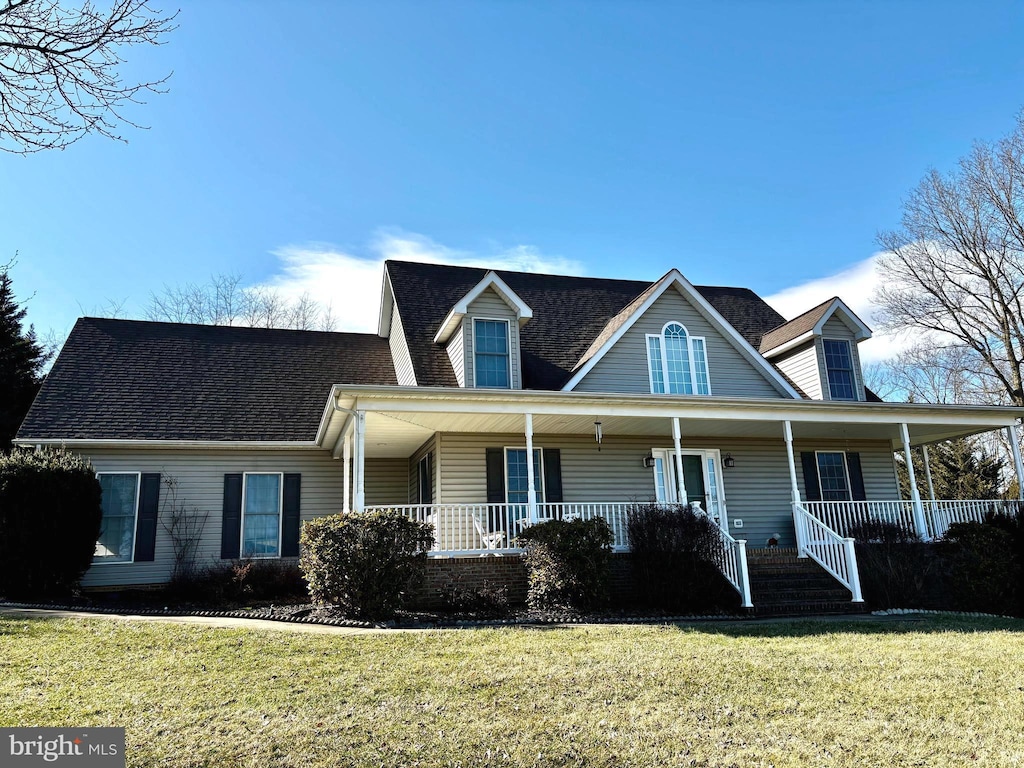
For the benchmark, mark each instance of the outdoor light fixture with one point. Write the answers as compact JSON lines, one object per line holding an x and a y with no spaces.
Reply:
{"x":728,"y":462}
{"x":598,"y":434}
{"x":649,"y":461}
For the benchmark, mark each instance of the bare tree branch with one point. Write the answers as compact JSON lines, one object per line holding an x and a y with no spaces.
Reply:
{"x":60,"y":70}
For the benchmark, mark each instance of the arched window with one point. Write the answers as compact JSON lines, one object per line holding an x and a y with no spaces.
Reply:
{"x":677,"y":362}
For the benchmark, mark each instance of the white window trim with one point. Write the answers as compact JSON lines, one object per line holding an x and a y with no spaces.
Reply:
{"x":105,"y":559}
{"x":846,"y":473}
{"x":280,"y":516}
{"x":419,"y":479}
{"x":539,"y":478}
{"x":664,"y":359}
{"x":508,"y":349}
{"x":853,"y":370}
{"x":669,"y":456}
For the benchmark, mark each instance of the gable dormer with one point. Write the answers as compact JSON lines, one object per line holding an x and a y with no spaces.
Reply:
{"x":481,"y":335}
{"x":818,"y":351}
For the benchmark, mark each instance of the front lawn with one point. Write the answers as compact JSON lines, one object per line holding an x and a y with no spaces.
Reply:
{"x":929,"y":693}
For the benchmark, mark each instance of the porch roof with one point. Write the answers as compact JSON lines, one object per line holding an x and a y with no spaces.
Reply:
{"x":400,"y":419}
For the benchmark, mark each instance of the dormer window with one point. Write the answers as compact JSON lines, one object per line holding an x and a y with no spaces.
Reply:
{"x":677,"y":362}
{"x":491,"y":353}
{"x":839,"y":367}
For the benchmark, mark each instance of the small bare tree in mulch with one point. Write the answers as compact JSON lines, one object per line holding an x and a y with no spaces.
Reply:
{"x":184,"y":526}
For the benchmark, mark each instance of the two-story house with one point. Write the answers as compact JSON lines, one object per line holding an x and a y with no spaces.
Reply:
{"x":488,"y":401}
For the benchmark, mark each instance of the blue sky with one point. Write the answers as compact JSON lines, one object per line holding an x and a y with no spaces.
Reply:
{"x":758,"y":144}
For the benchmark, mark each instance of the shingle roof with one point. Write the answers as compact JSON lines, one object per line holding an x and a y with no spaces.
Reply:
{"x":128,"y":379}
{"x":570,"y":313}
{"x":796,"y":327}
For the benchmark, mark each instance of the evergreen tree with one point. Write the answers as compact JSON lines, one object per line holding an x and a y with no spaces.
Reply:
{"x":21,"y":362}
{"x":961,"y":469}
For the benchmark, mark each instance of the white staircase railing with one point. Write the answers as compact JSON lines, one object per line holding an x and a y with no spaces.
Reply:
{"x":835,"y":554}
{"x":732,"y":562}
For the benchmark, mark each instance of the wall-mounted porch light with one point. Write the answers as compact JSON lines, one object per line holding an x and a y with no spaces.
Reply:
{"x":728,"y":462}
{"x":649,"y":461}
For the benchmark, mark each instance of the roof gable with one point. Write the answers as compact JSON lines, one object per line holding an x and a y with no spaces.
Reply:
{"x":491,"y":281}
{"x":811,"y":323}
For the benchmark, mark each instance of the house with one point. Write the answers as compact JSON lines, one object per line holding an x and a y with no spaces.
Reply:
{"x":488,"y":401}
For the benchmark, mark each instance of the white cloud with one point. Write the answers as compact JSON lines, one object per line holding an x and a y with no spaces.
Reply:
{"x":350,"y":284}
{"x":855,"y":286}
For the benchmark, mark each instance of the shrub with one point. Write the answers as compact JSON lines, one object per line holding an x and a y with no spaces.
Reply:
{"x":488,"y":600}
{"x":567,"y":563}
{"x":983,"y":571}
{"x":50,"y":514}
{"x":241,"y":581}
{"x":364,"y":563}
{"x":897,"y":569}
{"x":675,"y":559}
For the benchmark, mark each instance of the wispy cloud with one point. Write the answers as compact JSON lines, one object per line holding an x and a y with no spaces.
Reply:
{"x":855,"y":286}
{"x":350,"y":283}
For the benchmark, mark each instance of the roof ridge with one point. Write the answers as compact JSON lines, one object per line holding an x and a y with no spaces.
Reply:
{"x":241,"y":328}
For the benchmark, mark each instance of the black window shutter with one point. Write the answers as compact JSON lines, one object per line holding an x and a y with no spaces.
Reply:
{"x":149,"y":504}
{"x":231,"y":525}
{"x":553,"y":475}
{"x":856,"y":477}
{"x":495,"y":476}
{"x":812,"y":488}
{"x":290,"y":516}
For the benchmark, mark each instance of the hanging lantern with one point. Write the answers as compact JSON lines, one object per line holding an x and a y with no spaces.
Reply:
{"x":598,"y":434}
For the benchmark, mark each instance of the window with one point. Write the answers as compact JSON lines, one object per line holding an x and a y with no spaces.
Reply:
{"x":424,"y":478}
{"x":261,"y":515}
{"x":833,"y":476}
{"x":516,"y":481}
{"x":839,"y":366}
{"x":490,"y":352}
{"x":677,"y":362}
{"x":117,"y":529}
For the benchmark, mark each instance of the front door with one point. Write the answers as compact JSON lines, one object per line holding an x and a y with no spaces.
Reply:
{"x":700,"y":478}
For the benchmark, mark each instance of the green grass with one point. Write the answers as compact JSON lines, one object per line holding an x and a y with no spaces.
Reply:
{"x":930,"y":693}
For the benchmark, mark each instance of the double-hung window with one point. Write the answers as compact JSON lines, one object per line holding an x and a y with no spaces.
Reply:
{"x":116,"y":543}
{"x":833,"y":476}
{"x":261,"y":515}
{"x":839,"y":366}
{"x":677,"y":362}
{"x":516,"y":478}
{"x":491,"y":353}
{"x":424,"y":479}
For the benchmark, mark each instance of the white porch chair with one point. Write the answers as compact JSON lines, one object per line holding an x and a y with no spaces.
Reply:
{"x":491,"y":539}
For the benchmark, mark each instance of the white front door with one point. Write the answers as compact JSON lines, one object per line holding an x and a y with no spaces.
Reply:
{"x":701,"y":479}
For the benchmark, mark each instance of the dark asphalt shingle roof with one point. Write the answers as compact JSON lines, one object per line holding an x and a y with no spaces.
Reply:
{"x":796,"y":327}
{"x":128,"y":379}
{"x":569,"y":313}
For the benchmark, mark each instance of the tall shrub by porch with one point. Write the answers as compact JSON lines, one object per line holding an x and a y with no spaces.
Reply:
{"x":567,"y":563}
{"x":50,"y":513}
{"x":365,"y":564}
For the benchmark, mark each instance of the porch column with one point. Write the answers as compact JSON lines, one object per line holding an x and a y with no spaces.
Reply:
{"x":531,"y":491}
{"x":787,"y":432}
{"x":919,"y":521}
{"x":928,"y":474}
{"x":360,"y":466}
{"x":1011,"y":435}
{"x":347,"y":458}
{"x":680,"y":483}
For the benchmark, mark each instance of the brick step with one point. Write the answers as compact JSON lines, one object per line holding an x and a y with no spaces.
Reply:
{"x":794,"y":582}
{"x":799,"y":595}
{"x":808,"y":608}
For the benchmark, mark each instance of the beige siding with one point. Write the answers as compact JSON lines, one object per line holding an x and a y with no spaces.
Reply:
{"x":200,"y":476}
{"x":835,"y":328}
{"x":757,"y":489}
{"x":624,"y":367}
{"x":490,"y":305}
{"x":428,"y":447}
{"x":801,"y":366}
{"x":456,"y":350}
{"x":400,"y":351}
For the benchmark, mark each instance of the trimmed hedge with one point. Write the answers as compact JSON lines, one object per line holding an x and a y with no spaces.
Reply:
{"x":50,"y":513}
{"x":675,"y":559}
{"x":365,"y":564}
{"x":897,"y":569}
{"x":567,"y":563}
{"x":983,"y":570}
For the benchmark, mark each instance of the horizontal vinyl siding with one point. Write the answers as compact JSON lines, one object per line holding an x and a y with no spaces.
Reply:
{"x":836,"y":329}
{"x":414,"y":461}
{"x":624,"y":367}
{"x":200,"y":476}
{"x":489,"y":305}
{"x":757,"y":490}
{"x":801,"y":366}
{"x":400,"y":351}
{"x":457,"y":354}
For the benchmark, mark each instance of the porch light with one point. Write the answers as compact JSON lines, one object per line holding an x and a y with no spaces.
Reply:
{"x":649,"y":461}
{"x":728,"y":462}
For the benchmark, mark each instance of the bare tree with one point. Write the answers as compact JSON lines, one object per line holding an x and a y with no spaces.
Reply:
{"x":60,"y":70}
{"x":926,"y":373}
{"x":955,"y":271}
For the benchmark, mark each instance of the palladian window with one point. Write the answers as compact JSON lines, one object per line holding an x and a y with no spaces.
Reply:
{"x":677,"y":362}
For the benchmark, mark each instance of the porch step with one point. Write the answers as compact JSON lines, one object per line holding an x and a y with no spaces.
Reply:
{"x":781,"y":584}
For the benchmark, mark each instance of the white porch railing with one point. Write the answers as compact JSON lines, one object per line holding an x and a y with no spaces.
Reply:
{"x":482,"y":529}
{"x":845,"y":517}
{"x":828,"y":549}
